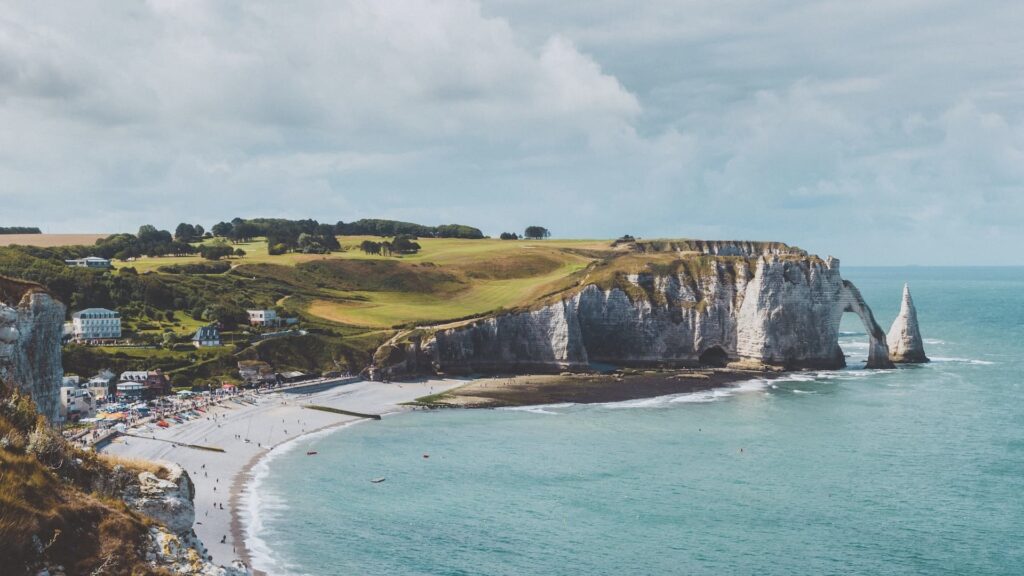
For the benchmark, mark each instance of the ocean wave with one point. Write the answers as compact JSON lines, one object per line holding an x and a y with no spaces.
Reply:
{"x":538,"y":409}
{"x":796,"y":391}
{"x":962,"y":360}
{"x":934,"y":341}
{"x":259,"y":505}
{"x":852,"y":333}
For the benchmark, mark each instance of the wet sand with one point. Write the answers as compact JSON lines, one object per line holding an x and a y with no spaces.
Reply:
{"x":534,"y":390}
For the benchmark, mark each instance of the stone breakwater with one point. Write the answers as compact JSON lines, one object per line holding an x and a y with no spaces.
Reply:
{"x":772,"y":309}
{"x":31,"y":329}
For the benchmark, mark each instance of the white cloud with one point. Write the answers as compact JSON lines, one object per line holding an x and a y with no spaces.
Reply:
{"x":843,"y":127}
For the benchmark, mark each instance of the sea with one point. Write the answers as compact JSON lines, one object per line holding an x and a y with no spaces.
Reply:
{"x":918,"y":470}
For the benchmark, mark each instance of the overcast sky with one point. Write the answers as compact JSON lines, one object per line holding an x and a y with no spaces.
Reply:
{"x":878,"y":131}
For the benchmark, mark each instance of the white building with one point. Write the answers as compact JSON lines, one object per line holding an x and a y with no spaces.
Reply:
{"x":263,"y":317}
{"x":96,"y":324}
{"x":206,"y":336}
{"x":75,"y":401}
{"x":134,"y":376}
{"x":89,"y":262}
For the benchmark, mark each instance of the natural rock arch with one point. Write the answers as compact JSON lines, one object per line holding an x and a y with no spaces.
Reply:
{"x":851,"y":301}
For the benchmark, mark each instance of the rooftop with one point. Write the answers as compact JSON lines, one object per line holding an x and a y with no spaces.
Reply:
{"x":94,"y":311}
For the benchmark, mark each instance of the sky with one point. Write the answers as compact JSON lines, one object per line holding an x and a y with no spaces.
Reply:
{"x":884,"y":132}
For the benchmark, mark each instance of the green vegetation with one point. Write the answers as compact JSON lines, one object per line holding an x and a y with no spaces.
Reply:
{"x":60,"y":505}
{"x":536,"y":232}
{"x":20,"y":230}
{"x":394,"y":228}
{"x":350,"y":299}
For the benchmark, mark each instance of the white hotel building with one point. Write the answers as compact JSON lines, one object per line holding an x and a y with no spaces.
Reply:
{"x":96,"y":324}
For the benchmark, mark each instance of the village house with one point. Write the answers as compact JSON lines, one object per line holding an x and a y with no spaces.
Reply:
{"x":263,"y":317}
{"x":76,"y":400}
{"x":95,"y":324}
{"x":89,"y":262}
{"x":256,"y":372}
{"x":207,"y":336}
{"x":153,"y":383}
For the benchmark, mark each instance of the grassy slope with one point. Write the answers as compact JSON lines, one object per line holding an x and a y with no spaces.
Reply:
{"x":61,"y":499}
{"x":352,"y":301}
{"x":480,"y":276}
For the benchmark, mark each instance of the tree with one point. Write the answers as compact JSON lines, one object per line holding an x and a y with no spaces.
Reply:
{"x":404,"y":244}
{"x":509,"y":236}
{"x":536,"y":232}
{"x":239,"y":253}
{"x":215,"y":251}
{"x":185,"y":232}
{"x":222,"y":229}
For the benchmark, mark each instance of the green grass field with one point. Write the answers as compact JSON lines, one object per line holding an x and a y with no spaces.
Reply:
{"x":448,"y":279}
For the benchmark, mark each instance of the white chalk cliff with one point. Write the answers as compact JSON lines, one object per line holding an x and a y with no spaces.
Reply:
{"x":31,"y":330}
{"x":745,"y":301}
{"x":905,"y":343}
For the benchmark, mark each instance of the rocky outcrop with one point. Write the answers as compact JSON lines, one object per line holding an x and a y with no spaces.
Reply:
{"x":905,"y":343}
{"x":173,"y":543}
{"x":31,"y":330}
{"x":780,"y":309}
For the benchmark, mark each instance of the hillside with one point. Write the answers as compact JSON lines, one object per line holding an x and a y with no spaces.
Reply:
{"x":348,"y":301}
{"x":65,"y":510}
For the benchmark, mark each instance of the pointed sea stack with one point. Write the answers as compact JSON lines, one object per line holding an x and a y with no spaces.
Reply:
{"x":904,"y":339}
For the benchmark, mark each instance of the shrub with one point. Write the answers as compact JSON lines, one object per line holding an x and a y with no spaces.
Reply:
{"x":196,"y":268}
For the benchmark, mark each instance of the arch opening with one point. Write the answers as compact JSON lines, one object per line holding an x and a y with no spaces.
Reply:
{"x":714,"y":357}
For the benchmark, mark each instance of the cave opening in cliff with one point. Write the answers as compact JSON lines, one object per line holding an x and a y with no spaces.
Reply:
{"x":714,"y":357}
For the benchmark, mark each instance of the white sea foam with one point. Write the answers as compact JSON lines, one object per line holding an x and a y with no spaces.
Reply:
{"x":259,"y":505}
{"x":934,"y":341}
{"x":962,"y":360}
{"x":795,"y":391}
{"x":539,"y":409}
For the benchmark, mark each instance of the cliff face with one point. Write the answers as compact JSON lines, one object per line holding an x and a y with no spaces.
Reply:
{"x":172,"y":543}
{"x":31,"y":329}
{"x":755,"y":304}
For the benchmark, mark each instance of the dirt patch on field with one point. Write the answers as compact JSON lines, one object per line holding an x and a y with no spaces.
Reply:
{"x":49,"y":240}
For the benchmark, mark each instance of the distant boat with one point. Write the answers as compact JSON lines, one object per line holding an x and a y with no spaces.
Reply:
{"x":312,"y":453}
{"x":378,"y":480}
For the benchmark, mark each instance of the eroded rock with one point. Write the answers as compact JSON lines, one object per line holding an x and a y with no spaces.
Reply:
{"x":778,"y":309}
{"x":905,"y":343}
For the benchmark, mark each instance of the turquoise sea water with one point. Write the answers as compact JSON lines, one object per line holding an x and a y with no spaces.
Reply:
{"x":913,"y":471}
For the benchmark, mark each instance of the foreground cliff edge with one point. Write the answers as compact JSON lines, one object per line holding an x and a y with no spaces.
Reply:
{"x":68,"y":511}
{"x":681,"y":303}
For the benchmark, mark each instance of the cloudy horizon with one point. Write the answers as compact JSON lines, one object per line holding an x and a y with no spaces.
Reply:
{"x":879,"y":132}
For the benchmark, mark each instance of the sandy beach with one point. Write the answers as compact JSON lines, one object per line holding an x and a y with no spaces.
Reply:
{"x":246,"y":432}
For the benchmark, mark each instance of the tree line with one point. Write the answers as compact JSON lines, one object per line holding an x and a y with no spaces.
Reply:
{"x":388,"y":228}
{"x":20,"y":230}
{"x":531,"y":232}
{"x":401,"y":244}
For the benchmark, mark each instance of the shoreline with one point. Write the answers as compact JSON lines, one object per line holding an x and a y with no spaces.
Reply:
{"x":244,"y":482}
{"x":219,"y":519}
{"x":225,"y":534}
{"x":536,"y":390}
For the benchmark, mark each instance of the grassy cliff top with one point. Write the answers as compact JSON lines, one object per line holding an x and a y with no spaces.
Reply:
{"x":12,"y":290}
{"x":451,"y":279}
